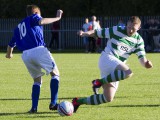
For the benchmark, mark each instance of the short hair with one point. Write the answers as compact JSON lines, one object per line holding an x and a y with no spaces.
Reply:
{"x":134,"y":19}
{"x":31,"y":9}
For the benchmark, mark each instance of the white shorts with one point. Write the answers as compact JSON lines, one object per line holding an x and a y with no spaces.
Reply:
{"x":107,"y":64}
{"x":37,"y":59}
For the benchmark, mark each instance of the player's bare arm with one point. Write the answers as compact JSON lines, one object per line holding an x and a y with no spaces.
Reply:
{"x":45,"y":21}
{"x":90,"y":33}
{"x":9,"y":52}
{"x":146,"y":63}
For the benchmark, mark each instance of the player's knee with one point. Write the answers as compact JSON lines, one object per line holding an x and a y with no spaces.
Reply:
{"x":128,"y":73}
{"x":55,"y":72}
{"x":38,"y":80}
{"x":109,"y":99}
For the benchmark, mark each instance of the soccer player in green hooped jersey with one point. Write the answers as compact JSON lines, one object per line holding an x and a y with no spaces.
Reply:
{"x":122,"y":42}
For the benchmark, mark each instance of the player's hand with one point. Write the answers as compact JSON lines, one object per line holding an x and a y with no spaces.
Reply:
{"x":80,"y":33}
{"x":148,"y":64}
{"x":9,"y":56}
{"x":59,"y":13}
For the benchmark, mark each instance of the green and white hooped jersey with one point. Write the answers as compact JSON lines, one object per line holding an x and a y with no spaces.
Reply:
{"x":119,"y":44}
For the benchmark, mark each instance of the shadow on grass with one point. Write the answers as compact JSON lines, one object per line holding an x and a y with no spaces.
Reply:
{"x":28,"y":115}
{"x":7,"y":99}
{"x":50,"y":114}
{"x":123,"y":106}
{"x":135,"y":105}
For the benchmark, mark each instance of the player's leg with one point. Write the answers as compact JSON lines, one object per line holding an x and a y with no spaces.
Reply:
{"x":112,"y":70}
{"x":36,"y":73}
{"x":54,"y":85}
{"x":35,"y":94}
{"x":121,"y":72}
{"x":116,"y":70}
{"x":109,"y":91}
{"x":47,"y":63}
{"x":106,"y":65}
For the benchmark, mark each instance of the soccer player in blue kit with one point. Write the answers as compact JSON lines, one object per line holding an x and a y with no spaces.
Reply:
{"x":28,"y":37}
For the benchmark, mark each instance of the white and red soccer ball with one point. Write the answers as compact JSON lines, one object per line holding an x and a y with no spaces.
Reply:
{"x":65,"y":108}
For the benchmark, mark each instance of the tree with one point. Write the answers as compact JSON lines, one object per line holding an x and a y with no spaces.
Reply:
{"x":81,"y":8}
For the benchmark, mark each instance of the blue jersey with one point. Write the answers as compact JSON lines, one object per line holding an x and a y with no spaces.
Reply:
{"x":28,"y":34}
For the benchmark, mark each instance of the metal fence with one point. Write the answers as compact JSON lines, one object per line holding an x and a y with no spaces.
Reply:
{"x":68,"y":30}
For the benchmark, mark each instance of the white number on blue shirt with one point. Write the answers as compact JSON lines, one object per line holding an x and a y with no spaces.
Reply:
{"x":22,"y":30}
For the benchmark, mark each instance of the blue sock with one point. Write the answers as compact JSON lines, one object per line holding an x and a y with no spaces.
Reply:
{"x":54,"y":85}
{"x":35,"y":94}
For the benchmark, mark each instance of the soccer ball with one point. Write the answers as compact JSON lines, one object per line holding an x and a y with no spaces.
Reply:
{"x":65,"y":108}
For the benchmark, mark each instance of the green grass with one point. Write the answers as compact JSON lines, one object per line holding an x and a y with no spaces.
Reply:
{"x":138,"y":98}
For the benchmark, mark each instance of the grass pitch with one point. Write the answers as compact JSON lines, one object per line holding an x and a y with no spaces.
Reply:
{"x":138,"y":98}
